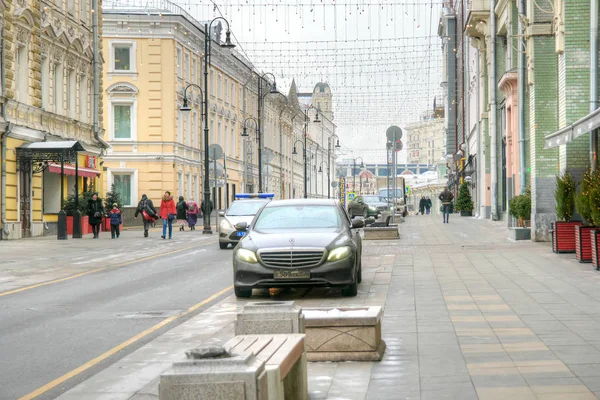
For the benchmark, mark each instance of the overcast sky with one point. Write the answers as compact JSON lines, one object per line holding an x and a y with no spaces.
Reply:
{"x":382,"y":58}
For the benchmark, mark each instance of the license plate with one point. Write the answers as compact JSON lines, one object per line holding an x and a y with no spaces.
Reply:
{"x":293,"y":274}
{"x":240,"y":234}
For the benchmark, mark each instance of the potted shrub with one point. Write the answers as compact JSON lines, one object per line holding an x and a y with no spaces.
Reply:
{"x":464,"y":203}
{"x":563,"y":230}
{"x":112,"y":197}
{"x":594,"y":203}
{"x":520,"y":208}
{"x":70,"y":209}
{"x":583,"y":242}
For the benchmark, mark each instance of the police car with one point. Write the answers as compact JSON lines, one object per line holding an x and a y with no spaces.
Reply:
{"x":242,"y":209}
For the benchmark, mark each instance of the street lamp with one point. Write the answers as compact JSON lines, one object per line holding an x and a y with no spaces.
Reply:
{"x":186,"y":108}
{"x":328,"y":177}
{"x":305,"y":137}
{"x":362,"y":165}
{"x":260,"y":98}
{"x":245,"y":134}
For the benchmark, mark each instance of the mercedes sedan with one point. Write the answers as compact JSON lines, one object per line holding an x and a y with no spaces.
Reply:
{"x":299,"y":243}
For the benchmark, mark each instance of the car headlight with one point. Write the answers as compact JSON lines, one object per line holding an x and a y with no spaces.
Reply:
{"x":339,"y":253}
{"x":246,"y":255}
{"x":225,"y":225}
{"x":372,"y":208}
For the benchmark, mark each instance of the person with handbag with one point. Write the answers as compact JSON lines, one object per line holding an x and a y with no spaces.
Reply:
{"x":95,"y":213}
{"x":192,"y":214}
{"x":182,"y":210}
{"x":168,"y":213}
{"x":146,"y":208}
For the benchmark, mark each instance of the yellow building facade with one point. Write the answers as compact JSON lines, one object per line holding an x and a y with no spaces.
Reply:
{"x":46,"y":96}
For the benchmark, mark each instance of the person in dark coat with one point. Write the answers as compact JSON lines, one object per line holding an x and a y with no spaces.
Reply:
{"x":182,"y":209}
{"x":422,"y":203}
{"x":446,"y":198}
{"x":116,"y":219}
{"x":203,"y":208}
{"x":147,"y":206}
{"x":428,"y":205}
{"x":95,"y":213}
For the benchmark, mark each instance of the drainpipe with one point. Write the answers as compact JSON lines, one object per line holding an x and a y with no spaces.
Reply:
{"x":4,"y":232}
{"x":281,"y":186}
{"x":480,"y":157}
{"x":594,"y":78}
{"x":521,"y":98}
{"x":96,"y":100}
{"x":493,"y":125}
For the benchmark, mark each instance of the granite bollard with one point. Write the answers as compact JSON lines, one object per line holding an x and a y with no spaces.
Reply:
{"x":269,"y":318}
{"x":213,"y":373}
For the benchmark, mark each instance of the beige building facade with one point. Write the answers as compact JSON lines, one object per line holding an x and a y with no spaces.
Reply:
{"x":151,"y":60}
{"x":47,"y":85}
{"x":426,"y":141}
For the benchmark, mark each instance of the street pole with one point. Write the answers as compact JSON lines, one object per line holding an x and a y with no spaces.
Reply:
{"x":304,"y":151}
{"x":260,"y":181}
{"x":206,"y":189}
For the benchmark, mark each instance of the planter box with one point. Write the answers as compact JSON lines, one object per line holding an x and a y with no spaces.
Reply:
{"x":85,"y":226}
{"x":105,"y":226}
{"x":595,"y":238}
{"x":583,"y":243}
{"x":519,"y":233}
{"x":466,"y":213}
{"x":563,"y":236}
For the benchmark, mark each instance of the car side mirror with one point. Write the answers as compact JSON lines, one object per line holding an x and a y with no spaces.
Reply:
{"x":221,"y":213}
{"x":241,"y":226}
{"x":358,"y":223}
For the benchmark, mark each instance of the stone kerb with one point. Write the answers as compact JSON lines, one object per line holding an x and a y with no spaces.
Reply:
{"x":344,"y":334}
{"x":381,"y":233}
{"x":269,"y":317}
{"x":215,"y":376}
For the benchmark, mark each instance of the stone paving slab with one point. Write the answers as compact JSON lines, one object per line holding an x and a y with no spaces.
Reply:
{"x":467,"y":315}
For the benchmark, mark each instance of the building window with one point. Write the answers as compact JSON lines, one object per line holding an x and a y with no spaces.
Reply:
{"x":187,"y":67}
{"x":22,"y":75}
{"x":226,"y":90}
{"x":179,"y":66}
{"x":71,"y":89}
{"x":58,"y":88}
{"x":232,"y":149}
{"x":219,"y":139}
{"x":194,"y":129}
{"x":212,"y":83}
{"x":180,"y":183}
{"x":83,"y":98}
{"x":83,"y":9}
{"x":219,"y":87}
{"x":232,"y":94}
{"x":194,"y":70}
{"x":45,"y":83}
{"x":179,"y":127}
{"x":188,"y":186}
{"x":122,"y":121}
{"x":196,"y":189}
{"x":123,"y":183}
{"x":188,"y":129}
{"x":122,"y":57}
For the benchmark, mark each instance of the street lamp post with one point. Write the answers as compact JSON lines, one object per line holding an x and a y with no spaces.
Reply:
{"x":245,"y":134}
{"x":362,"y":165}
{"x":207,"y":48}
{"x":328,"y":176}
{"x":261,"y":97}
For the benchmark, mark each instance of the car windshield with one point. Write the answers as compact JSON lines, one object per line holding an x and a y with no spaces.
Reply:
{"x":243,"y":208}
{"x":373,"y":199}
{"x":298,"y":217}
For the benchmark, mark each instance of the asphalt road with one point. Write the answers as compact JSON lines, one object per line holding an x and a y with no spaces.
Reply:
{"x":48,"y":331}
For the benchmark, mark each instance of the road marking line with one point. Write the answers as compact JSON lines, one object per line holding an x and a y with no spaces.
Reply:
{"x":67,"y":278}
{"x":116,"y":349}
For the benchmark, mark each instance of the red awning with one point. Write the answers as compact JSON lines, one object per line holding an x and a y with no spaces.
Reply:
{"x":70,"y":170}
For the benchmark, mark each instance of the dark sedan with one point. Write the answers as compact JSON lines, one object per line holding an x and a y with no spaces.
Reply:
{"x":299,"y":243}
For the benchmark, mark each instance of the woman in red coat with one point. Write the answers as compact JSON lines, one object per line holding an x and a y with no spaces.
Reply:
{"x":167,"y":213}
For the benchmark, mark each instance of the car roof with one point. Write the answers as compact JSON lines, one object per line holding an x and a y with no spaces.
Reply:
{"x":302,"y":202}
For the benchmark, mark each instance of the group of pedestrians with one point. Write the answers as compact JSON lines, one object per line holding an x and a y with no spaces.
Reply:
{"x":185,"y":213}
{"x":95,"y":213}
{"x":445,"y":197}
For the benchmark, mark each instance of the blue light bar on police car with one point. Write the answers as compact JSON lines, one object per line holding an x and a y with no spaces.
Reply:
{"x":254,"y":195}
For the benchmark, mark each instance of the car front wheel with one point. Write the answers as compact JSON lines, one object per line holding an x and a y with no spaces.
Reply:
{"x":242,"y":292}
{"x":223,"y":246}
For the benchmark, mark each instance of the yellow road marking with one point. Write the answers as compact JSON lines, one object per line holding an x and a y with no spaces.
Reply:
{"x":67,"y":278}
{"x":118,"y":348}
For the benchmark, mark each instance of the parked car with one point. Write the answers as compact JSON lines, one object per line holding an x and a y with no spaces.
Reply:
{"x":291,"y":243}
{"x":367,"y":206}
{"x":243,"y":208}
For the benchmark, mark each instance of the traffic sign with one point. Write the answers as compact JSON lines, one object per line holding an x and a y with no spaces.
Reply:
{"x":393,"y":133}
{"x":351,"y":196}
{"x":399,"y":146}
{"x":215,"y":152}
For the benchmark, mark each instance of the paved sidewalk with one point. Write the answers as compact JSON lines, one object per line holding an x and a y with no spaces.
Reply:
{"x":468,"y":315}
{"x":35,"y":260}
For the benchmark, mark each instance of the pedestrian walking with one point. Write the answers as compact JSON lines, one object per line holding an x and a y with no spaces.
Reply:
{"x":446,"y":198}
{"x":182,"y":209}
{"x":95,"y":213}
{"x":146,"y":208}
{"x":116,"y":219}
{"x":192,"y":214}
{"x":427,"y":205}
{"x":422,"y":203}
{"x":168,"y":212}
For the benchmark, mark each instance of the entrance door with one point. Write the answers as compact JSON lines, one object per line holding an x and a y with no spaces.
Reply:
{"x":25,"y":202}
